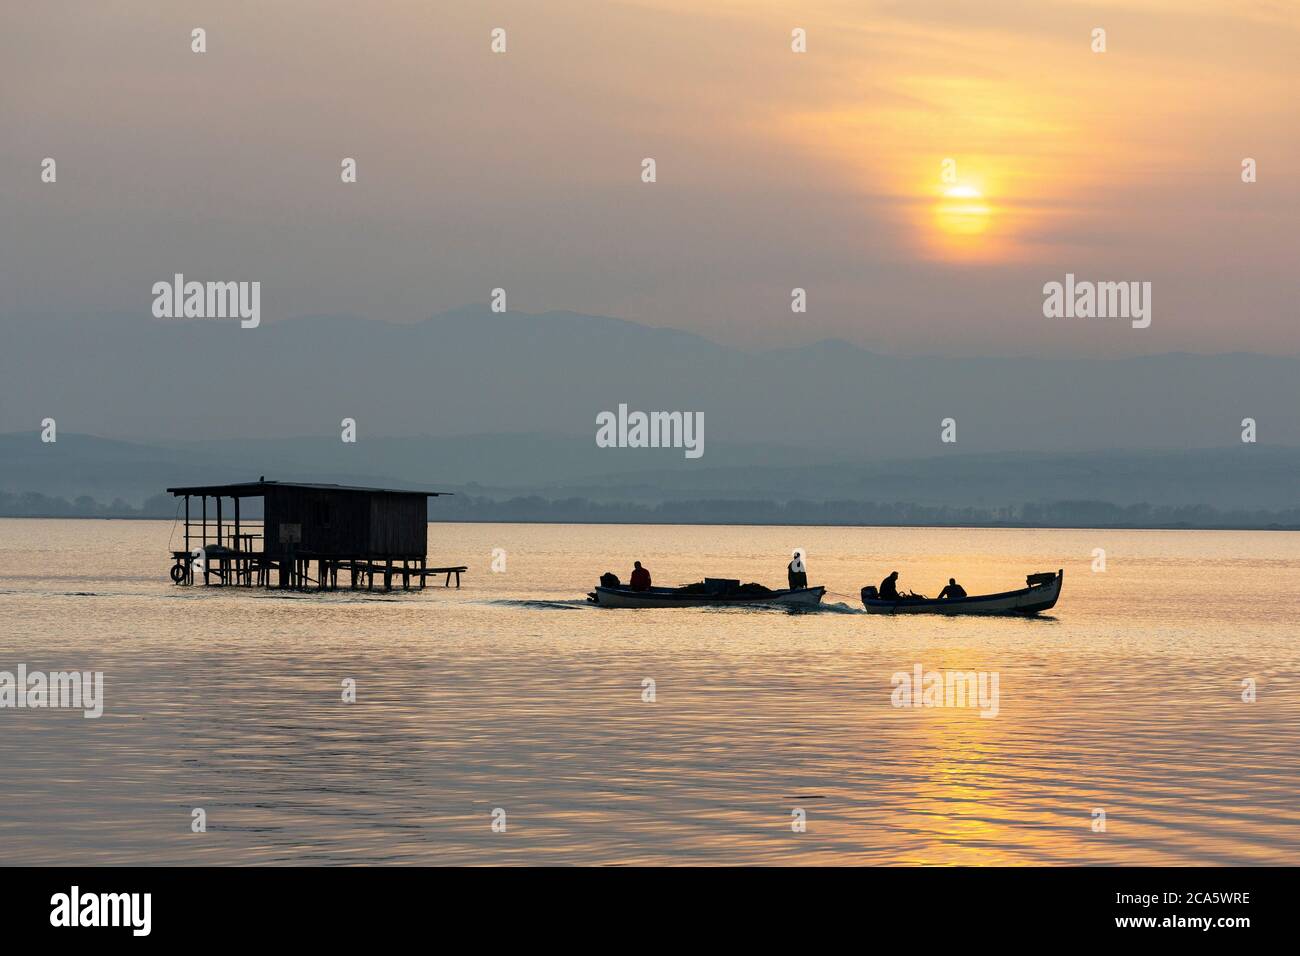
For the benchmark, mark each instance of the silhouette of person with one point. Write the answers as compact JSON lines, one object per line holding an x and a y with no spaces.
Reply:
{"x":640,"y":577}
{"x":889,"y":587}
{"x":797,"y":572}
{"x":953,"y":590}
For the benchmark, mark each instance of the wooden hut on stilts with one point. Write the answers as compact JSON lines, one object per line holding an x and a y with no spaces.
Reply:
{"x":308,"y":536}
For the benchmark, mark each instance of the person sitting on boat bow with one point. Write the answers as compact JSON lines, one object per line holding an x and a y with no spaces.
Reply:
{"x":889,"y":587}
{"x":640,"y":578}
{"x":953,"y":590}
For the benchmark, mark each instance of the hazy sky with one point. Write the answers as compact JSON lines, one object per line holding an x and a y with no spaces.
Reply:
{"x":775,"y":169}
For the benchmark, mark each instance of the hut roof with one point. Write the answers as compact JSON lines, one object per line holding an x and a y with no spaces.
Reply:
{"x":256,"y":489}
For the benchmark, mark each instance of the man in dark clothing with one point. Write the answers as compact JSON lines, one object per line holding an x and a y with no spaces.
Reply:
{"x":953,"y":590}
{"x":640,"y":578}
{"x":889,"y":587}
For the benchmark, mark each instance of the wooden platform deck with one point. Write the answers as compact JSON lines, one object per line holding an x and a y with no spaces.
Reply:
{"x":235,"y":568}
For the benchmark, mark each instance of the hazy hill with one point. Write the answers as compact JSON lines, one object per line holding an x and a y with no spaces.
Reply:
{"x":472,"y":372}
{"x":501,"y":406}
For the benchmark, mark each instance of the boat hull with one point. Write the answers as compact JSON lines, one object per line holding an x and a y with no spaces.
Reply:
{"x":1026,"y":601}
{"x":671,"y":597}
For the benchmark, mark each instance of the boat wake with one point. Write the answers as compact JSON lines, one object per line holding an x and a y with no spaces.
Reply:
{"x":55,"y":593}
{"x":540,"y":605}
{"x":839,"y":607}
{"x":836,"y":608}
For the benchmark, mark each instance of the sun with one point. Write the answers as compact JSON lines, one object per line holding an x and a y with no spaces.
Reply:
{"x":962,"y":211}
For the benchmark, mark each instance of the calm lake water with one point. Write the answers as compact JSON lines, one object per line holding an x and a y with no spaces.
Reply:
{"x":510,"y":694}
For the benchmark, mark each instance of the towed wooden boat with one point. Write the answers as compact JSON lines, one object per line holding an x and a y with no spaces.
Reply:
{"x":1041,"y":595}
{"x":711,"y":592}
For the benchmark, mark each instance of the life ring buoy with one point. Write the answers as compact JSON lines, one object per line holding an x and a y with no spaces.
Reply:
{"x":178,"y":573}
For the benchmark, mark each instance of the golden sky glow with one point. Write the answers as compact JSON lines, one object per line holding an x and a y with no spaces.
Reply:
{"x":776,"y":169}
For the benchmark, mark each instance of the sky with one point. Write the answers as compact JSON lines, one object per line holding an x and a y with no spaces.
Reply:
{"x":776,"y":170}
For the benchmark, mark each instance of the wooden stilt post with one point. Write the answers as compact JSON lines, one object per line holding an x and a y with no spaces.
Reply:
{"x":240,"y":566}
{"x":205,"y":539}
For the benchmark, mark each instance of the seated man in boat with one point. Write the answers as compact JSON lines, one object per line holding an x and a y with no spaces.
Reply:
{"x":953,"y":590}
{"x":889,"y":587}
{"x":640,"y":578}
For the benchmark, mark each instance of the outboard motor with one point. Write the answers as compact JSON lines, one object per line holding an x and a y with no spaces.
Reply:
{"x":869,"y":593}
{"x":609,"y":580}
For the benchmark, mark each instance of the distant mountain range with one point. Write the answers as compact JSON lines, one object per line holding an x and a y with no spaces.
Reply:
{"x":474,"y":372}
{"x":501,"y":406}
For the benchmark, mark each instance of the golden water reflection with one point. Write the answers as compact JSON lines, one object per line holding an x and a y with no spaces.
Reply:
{"x":511,"y":694}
